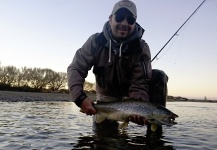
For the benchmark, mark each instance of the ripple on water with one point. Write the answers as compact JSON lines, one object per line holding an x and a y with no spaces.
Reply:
{"x":60,"y":125}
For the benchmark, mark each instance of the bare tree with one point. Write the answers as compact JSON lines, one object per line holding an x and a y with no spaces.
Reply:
{"x":8,"y":75}
{"x":24,"y":73}
{"x":35,"y":78}
{"x":59,"y":81}
{"x":1,"y":74}
{"x":39,"y":78}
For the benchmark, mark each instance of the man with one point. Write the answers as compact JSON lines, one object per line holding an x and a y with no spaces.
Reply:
{"x":121,"y":61}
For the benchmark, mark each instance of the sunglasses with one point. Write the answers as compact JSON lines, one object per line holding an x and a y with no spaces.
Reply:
{"x":120,"y":17}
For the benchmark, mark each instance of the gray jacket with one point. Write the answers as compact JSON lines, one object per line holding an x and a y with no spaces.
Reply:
{"x":121,"y":68}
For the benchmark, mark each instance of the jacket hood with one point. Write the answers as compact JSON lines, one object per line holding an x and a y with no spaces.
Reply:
{"x":122,"y":46}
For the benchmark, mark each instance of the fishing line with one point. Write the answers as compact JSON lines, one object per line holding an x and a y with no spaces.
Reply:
{"x":177,"y":31}
{"x":157,"y":58}
{"x":180,"y":45}
{"x":176,"y":36}
{"x":182,"y":33}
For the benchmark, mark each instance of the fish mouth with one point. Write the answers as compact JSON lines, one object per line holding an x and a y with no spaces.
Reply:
{"x":169,"y":121}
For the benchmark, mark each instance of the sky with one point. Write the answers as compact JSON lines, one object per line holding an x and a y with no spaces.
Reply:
{"x":47,"y":33}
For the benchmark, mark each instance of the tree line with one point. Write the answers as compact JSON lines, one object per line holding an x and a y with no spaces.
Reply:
{"x":32,"y":79}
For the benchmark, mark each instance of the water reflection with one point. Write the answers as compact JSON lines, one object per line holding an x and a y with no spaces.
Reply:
{"x":107,"y":136}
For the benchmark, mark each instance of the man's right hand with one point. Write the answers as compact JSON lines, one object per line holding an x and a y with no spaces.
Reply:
{"x":138,"y":120}
{"x":87,"y":106}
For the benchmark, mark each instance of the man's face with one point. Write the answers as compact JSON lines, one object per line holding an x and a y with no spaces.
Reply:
{"x":122,"y":24}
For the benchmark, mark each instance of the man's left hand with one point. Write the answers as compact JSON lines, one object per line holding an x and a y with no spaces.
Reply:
{"x":138,"y":120}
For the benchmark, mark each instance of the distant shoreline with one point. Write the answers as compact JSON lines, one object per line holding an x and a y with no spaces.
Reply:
{"x":194,"y":100}
{"x":13,"y":96}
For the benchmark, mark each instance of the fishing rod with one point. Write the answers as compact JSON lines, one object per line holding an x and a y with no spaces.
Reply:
{"x":178,"y":30}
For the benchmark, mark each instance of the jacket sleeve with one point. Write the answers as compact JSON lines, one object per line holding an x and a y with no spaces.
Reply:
{"x":77,"y":71}
{"x":141,"y":74}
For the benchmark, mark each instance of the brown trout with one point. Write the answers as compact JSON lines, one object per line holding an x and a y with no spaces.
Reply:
{"x":121,"y":111}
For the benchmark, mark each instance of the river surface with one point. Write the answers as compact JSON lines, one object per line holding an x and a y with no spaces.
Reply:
{"x":60,"y":125}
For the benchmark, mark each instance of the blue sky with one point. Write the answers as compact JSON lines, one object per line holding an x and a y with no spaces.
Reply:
{"x":46,"y":34}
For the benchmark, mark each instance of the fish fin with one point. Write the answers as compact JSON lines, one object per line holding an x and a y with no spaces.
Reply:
{"x":154,"y":127}
{"x":99,"y":118}
{"x":123,"y":125}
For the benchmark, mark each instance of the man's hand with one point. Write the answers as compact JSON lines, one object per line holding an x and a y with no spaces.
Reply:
{"x":138,"y":120}
{"x":87,"y":107}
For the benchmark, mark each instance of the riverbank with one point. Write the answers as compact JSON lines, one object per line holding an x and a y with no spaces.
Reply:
{"x":11,"y":96}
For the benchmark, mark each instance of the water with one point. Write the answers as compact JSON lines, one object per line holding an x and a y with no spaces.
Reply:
{"x":60,"y":125}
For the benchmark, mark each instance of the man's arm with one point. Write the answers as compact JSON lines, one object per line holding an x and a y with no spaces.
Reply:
{"x":78,"y":70}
